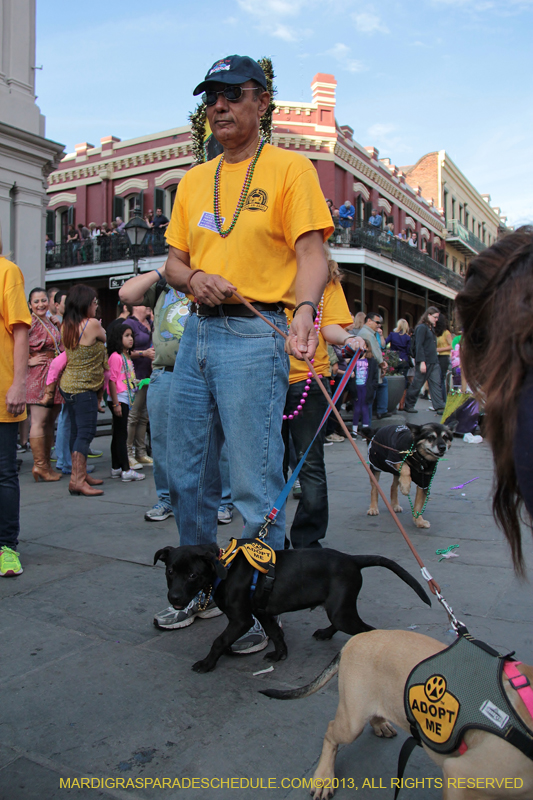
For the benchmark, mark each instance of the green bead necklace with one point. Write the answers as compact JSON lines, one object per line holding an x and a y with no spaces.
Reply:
{"x":244,"y":191}
{"x":417,"y":514}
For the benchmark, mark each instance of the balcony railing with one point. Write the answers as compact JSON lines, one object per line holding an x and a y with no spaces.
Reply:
{"x":102,"y":249}
{"x":117,"y":248}
{"x":463,"y":239}
{"x":398,"y":250}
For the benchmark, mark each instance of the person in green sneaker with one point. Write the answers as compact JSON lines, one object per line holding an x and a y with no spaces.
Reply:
{"x":15,"y":323}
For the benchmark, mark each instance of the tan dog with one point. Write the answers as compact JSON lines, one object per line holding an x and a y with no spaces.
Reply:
{"x":373,"y":671}
{"x":386,"y":454}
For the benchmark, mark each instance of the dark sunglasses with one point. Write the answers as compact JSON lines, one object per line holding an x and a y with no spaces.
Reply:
{"x":231,"y":93}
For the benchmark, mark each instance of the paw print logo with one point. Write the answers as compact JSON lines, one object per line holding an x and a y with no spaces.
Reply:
{"x":435,"y":688}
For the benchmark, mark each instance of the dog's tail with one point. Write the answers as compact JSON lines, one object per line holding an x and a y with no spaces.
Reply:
{"x":381,"y":561}
{"x":304,"y":691}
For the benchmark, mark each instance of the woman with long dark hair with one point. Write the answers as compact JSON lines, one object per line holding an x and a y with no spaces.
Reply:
{"x":45,"y":344}
{"x":84,"y":341}
{"x":496,"y":311}
{"x":426,"y":363}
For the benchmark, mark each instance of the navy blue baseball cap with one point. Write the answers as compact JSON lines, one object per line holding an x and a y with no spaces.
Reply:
{"x":234,"y":70}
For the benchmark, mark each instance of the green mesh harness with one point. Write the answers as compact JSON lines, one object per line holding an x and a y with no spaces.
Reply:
{"x":458,"y":689}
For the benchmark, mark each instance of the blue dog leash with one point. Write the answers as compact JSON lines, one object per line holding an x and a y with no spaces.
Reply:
{"x":282,"y":498}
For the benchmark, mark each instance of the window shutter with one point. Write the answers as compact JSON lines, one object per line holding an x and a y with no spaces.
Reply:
{"x":51,"y":224}
{"x":159,"y":200}
{"x":70,"y":218}
{"x":118,"y":208}
{"x":140,"y":202}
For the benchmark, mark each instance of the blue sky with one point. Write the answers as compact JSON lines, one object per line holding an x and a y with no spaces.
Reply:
{"x":413,"y":77}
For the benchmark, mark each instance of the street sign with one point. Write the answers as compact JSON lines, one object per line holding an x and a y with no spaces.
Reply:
{"x":116,"y":283}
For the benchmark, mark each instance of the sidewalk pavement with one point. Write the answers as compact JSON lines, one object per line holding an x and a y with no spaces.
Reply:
{"x":90,"y":689}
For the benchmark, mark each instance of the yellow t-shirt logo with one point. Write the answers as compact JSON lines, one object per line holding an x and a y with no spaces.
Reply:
{"x":256,"y":200}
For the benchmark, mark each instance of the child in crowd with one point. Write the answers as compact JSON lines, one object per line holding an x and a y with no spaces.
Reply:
{"x":121,"y":389}
{"x":366,"y":383}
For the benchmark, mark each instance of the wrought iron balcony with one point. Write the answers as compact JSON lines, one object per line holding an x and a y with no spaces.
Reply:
{"x":463,"y":240}
{"x":388,"y":246}
{"x":102,"y":249}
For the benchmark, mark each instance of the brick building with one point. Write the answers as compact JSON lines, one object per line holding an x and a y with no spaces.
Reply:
{"x":96,"y":184}
{"x":471,"y":223}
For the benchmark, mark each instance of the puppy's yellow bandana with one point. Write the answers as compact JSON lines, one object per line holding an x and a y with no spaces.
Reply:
{"x":260,"y":555}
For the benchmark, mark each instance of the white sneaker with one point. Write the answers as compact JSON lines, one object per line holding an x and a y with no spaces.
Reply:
{"x":116,"y":473}
{"x":131,"y":475}
{"x":252,"y":641}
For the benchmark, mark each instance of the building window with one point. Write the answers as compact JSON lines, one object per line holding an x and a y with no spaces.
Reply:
{"x":445,"y":202}
{"x":454,"y":264}
{"x":461,"y":214}
{"x":453,"y":209}
{"x":131,"y":202}
{"x":447,"y":262}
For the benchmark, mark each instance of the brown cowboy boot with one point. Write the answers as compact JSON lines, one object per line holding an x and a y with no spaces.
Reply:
{"x":78,"y":483}
{"x":49,"y":394}
{"x":41,"y":460}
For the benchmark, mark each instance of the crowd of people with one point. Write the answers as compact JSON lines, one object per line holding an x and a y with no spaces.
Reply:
{"x":344,"y":221}
{"x":92,"y":243}
{"x":219,"y":386}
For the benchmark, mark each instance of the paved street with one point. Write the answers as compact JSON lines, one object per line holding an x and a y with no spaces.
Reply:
{"x":91,"y":689}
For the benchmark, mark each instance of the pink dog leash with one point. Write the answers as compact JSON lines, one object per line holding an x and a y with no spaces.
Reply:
{"x":520,"y":683}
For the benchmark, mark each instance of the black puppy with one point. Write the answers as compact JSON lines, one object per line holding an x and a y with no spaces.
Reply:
{"x":304,"y":579}
{"x":389,"y":447}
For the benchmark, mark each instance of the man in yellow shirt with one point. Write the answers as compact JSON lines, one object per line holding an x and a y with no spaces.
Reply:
{"x":15,"y":323}
{"x":254,"y":221}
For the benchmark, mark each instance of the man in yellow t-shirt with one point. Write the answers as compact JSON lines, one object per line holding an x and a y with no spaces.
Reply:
{"x":253,"y":221}
{"x":15,"y":323}
{"x":303,"y":414}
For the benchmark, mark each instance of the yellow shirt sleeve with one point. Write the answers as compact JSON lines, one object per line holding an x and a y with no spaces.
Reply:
{"x":305,"y":208}
{"x":13,"y":311}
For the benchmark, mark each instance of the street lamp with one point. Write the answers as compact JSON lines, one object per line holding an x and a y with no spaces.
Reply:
{"x":136,"y":229}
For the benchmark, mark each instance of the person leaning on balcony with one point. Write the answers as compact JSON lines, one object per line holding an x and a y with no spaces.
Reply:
{"x":231,"y":375}
{"x":15,"y":322}
{"x":375,"y":220}
{"x":426,"y":363}
{"x":412,"y":241}
{"x":346,"y":216}
{"x":402,"y":235}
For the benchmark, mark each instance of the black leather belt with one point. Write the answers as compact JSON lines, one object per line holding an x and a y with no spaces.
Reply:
{"x":235,"y":309}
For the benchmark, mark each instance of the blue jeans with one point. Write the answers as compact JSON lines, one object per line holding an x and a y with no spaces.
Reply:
{"x":311,"y":519}
{"x":64,"y":461}
{"x":225,"y":478}
{"x":229,"y":383}
{"x":157,"y":401}
{"x":9,"y":485}
{"x":82,"y":410}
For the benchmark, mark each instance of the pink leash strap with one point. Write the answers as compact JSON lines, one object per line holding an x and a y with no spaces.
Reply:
{"x":520,"y":683}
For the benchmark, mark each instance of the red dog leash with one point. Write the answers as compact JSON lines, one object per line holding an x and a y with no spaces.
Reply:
{"x":433,"y":585}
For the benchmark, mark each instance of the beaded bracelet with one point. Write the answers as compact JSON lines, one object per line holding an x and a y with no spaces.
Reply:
{"x":189,"y":279}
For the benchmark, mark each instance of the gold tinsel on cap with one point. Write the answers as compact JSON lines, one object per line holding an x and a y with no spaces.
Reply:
{"x":198,"y":117}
